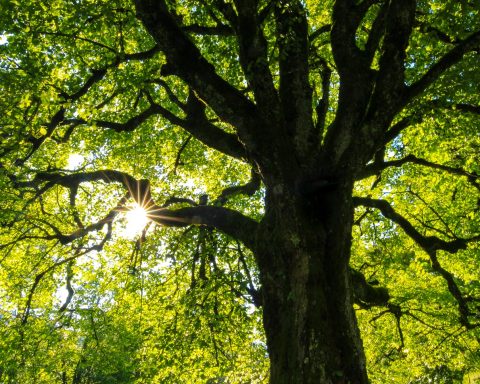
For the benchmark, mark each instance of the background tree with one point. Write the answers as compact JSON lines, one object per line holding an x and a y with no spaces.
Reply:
{"x":306,"y":163}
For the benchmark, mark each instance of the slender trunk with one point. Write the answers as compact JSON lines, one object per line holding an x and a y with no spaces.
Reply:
{"x":303,"y":252}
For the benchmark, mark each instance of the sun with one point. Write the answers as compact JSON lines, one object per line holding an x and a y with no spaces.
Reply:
{"x":136,"y":220}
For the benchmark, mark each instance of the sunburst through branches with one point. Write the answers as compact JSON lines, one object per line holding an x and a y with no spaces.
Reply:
{"x":136,"y":220}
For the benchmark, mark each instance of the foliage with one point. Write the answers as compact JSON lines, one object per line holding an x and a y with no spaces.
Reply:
{"x":85,"y":88}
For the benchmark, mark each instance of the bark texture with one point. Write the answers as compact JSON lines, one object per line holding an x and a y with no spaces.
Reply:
{"x":303,"y":249}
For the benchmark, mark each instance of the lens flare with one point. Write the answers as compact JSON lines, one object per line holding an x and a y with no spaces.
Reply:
{"x":136,"y":220}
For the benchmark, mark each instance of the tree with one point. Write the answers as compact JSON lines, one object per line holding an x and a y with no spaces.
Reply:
{"x":333,"y":144}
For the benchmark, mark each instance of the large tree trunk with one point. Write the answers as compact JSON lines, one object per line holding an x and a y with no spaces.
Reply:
{"x":303,"y":251}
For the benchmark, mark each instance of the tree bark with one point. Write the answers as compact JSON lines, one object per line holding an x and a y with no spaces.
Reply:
{"x":303,"y":250}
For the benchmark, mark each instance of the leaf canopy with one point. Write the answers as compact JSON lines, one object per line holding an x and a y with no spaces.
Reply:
{"x":85,"y":89}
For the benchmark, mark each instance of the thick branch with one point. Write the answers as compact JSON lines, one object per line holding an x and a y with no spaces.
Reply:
{"x":247,"y":189}
{"x":231,"y":222}
{"x":365,"y":294}
{"x":226,"y":220}
{"x":295,"y":90}
{"x":390,"y":82}
{"x":254,"y":58}
{"x":186,"y":61}
{"x":346,"y":19}
{"x":198,"y":125}
{"x":356,"y":84}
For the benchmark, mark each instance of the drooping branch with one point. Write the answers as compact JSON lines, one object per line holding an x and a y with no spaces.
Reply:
{"x":431,"y":245}
{"x":255,"y":293}
{"x":454,"y":290}
{"x":68,"y":284}
{"x":38,"y":278}
{"x":179,"y":153}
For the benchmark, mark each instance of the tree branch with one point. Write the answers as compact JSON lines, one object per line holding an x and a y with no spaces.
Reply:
{"x":398,"y":127}
{"x":430,"y":244}
{"x":463,"y":107}
{"x":427,"y":243}
{"x":390,"y":81}
{"x":226,"y":220}
{"x":447,"y":61}
{"x":377,"y":167}
{"x":365,"y":294}
{"x":377,"y":32}
{"x":440,"y":35}
{"x":356,"y":84}
{"x":196,"y":124}
{"x":295,"y":91}
{"x":346,"y":19}
{"x":179,"y":153}
{"x":254,"y":58}
{"x":185,"y":60}
{"x":319,"y":31}
{"x":322,"y":107}
{"x":96,"y":76}
{"x":247,"y":189}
